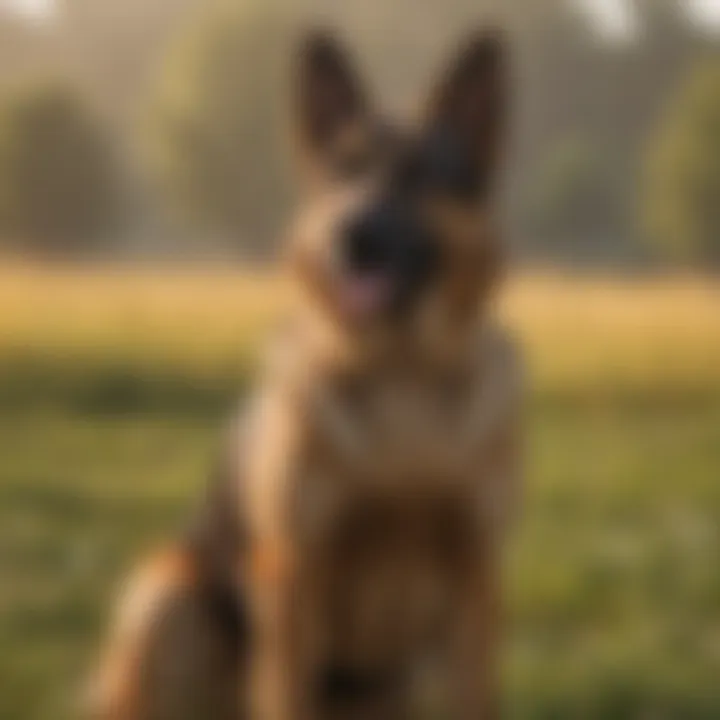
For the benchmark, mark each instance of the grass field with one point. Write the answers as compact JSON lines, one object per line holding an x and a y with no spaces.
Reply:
{"x":114,"y":386}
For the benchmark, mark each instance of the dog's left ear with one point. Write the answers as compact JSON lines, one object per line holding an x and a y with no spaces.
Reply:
{"x":329,"y":97}
{"x":470,"y":104}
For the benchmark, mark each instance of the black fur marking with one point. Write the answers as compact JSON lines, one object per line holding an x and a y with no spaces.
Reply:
{"x":439,"y":164}
{"x":217,"y":541}
{"x":342,"y":685}
{"x":392,"y":239}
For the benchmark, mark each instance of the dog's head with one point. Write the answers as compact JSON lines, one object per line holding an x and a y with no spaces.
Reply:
{"x":396,"y":235}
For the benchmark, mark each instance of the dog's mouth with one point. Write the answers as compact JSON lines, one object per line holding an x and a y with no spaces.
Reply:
{"x":364,"y":296}
{"x":388,"y":291}
{"x":384,"y":261}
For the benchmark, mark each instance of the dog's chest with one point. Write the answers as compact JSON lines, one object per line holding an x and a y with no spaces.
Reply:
{"x":392,"y":570}
{"x":397,"y":523}
{"x":394,"y":428}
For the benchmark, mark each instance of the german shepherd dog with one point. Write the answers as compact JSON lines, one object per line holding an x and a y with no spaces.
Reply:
{"x":346,"y":563}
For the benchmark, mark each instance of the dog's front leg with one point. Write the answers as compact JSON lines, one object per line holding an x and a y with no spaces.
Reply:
{"x":282,"y":663}
{"x":474,"y":667}
{"x":280,"y":577}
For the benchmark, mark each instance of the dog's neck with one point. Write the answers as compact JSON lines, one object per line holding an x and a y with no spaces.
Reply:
{"x":394,"y":415}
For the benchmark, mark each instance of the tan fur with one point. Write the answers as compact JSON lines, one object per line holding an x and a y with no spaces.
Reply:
{"x":164,"y":661}
{"x":412,"y":452}
{"x":380,"y":469}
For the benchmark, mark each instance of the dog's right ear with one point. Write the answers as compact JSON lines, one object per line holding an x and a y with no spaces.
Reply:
{"x":329,"y":98}
{"x":470,"y":104}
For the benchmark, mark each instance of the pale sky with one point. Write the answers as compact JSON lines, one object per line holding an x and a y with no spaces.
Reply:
{"x":612,"y":14}
{"x":709,"y":8}
{"x":617,"y":19}
{"x":29,"y":7}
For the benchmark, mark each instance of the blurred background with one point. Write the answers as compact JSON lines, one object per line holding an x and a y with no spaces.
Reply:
{"x":144,"y":183}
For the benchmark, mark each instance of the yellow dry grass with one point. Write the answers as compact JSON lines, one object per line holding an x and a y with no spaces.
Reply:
{"x":575,"y":329}
{"x":636,"y":332}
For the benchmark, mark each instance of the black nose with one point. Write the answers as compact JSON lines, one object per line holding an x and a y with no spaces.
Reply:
{"x":391,"y":239}
{"x":368,"y":242}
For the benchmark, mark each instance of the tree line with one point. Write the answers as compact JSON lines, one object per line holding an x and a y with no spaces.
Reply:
{"x":157,"y":125}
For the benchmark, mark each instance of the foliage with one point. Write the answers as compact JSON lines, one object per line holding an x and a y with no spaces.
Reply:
{"x":215,"y":140}
{"x":59,"y":182}
{"x":573,"y":199}
{"x":681,"y":206}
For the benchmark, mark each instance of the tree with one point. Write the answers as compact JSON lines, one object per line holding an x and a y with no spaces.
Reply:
{"x":572,"y":203}
{"x":111,"y":48}
{"x":681,"y":193}
{"x":59,"y":183}
{"x":215,"y":141}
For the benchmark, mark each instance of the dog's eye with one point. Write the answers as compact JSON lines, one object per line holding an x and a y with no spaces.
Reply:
{"x":356,"y":164}
{"x":448,"y":169}
{"x":437,"y":166}
{"x":410,"y":175}
{"x":379,"y":148}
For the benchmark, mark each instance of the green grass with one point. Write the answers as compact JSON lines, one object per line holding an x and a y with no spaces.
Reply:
{"x":615,"y":585}
{"x":613,"y":574}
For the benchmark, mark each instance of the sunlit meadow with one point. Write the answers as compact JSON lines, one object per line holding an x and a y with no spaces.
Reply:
{"x":114,"y":386}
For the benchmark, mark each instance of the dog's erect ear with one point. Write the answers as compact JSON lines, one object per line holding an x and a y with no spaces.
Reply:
{"x":328,"y":94}
{"x":470,"y":104}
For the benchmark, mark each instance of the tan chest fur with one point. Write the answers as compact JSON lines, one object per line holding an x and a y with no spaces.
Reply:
{"x":391,"y":570}
{"x":385,"y":491}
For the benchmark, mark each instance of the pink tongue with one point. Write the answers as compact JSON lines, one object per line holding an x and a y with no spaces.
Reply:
{"x":364,"y":295}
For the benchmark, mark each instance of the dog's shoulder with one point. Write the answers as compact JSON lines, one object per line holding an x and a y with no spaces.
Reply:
{"x":497,"y":348}
{"x":494,"y":428}
{"x":496,"y":377}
